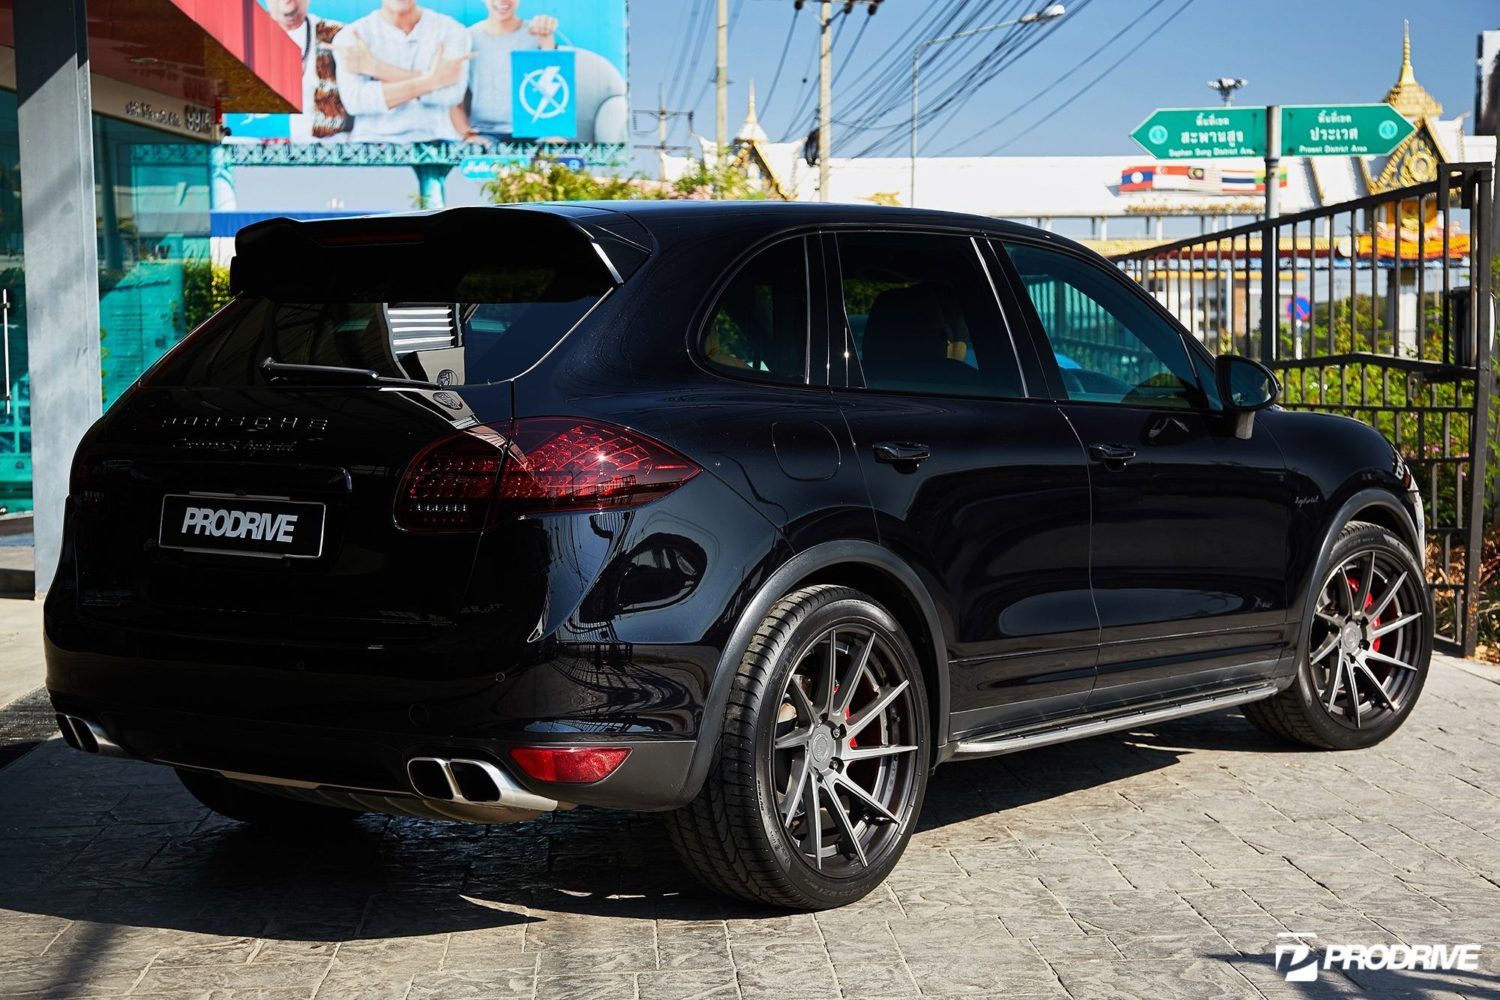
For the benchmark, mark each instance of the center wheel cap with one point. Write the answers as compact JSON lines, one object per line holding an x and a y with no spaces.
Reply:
{"x":821,"y":747}
{"x":1350,"y":636}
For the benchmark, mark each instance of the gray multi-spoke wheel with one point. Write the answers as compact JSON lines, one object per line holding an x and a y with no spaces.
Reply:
{"x":844,"y":753}
{"x":823,"y":760}
{"x":1365,"y":651}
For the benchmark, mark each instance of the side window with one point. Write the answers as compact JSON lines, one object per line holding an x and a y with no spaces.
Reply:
{"x":1110,"y":346}
{"x":759,"y":327}
{"x":923,"y":317}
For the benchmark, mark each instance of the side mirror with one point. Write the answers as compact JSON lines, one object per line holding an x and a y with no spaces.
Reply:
{"x":1244,"y":387}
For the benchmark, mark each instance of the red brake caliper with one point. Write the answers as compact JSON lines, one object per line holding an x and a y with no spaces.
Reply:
{"x":1369,"y":601}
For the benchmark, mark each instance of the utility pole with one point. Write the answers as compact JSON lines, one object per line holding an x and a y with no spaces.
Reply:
{"x":825,"y":94}
{"x":661,"y":132}
{"x":1270,"y":334}
{"x":721,"y":81}
{"x":663,"y":118}
{"x":1273,"y":159}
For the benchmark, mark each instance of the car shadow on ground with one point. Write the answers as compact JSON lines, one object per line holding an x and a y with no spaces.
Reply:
{"x":120,"y":842}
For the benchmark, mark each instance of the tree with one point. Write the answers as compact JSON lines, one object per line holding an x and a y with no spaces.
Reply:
{"x":551,"y":181}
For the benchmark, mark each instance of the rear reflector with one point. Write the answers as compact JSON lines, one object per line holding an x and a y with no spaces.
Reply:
{"x":578,"y":765}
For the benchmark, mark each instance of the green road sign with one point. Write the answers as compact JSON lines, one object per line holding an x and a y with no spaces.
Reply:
{"x":1203,"y":133}
{"x":1341,"y":129}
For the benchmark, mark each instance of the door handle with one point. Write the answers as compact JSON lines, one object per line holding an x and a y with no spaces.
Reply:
{"x":1112,"y":455}
{"x":901,"y":452}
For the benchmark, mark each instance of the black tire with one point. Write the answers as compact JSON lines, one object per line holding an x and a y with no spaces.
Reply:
{"x":261,"y":809}
{"x":737,"y":836}
{"x":1350,"y":692}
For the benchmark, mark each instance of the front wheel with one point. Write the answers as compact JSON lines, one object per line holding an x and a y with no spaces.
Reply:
{"x":1366,"y":651}
{"x":821,"y":768}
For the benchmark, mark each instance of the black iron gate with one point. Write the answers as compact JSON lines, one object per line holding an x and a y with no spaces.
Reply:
{"x":1379,"y":309}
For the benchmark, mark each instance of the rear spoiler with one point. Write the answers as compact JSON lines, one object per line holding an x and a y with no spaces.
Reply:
{"x":290,"y":260}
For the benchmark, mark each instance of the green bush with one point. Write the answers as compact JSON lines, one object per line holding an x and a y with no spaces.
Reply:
{"x":549,"y":181}
{"x":205,"y":290}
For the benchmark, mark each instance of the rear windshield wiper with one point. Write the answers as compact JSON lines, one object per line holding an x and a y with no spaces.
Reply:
{"x":281,"y":371}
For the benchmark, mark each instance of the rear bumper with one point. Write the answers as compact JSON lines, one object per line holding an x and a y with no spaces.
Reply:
{"x":375,"y":764}
{"x":352,"y":719}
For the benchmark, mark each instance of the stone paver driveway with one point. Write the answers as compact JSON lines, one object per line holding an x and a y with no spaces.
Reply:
{"x":1159,"y":863}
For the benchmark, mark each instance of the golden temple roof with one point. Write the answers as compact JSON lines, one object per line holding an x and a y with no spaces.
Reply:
{"x":1408,"y":96}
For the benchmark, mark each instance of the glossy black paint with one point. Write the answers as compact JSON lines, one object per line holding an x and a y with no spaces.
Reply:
{"x":1035,"y":581}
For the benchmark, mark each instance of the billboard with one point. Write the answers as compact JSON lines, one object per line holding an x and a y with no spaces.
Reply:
{"x":1487,"y":85}
{"x":476,"y":71}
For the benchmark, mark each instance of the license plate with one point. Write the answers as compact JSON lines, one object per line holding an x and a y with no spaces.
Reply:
{"x":245,"y":526}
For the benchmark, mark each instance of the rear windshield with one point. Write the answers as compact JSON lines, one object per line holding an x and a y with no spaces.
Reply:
{"x":428,"y":312}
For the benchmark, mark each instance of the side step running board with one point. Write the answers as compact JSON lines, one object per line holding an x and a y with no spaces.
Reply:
{"x":1079,"y":729}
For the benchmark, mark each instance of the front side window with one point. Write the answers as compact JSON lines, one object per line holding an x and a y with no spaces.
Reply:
{"x":923,"y":317}
{"x":759,"y":327}
{"x":1110,"y":345}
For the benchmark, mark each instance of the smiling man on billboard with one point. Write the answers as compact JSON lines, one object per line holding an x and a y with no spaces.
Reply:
{"x":503,"y":32}
{"x":402,"y":70}
{"x":324,"y":116}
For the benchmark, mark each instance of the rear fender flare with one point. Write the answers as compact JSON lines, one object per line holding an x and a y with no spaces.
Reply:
{"x":784,"y":580}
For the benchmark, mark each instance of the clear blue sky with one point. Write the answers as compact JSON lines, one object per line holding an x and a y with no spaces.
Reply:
{"x":1290,"y":51}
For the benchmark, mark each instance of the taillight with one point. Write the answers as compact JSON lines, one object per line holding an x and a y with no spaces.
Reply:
{"x":451,"y":484}
{"x":558,"y":463}
{"x":470,"y":480}
{"x":571,"y":764}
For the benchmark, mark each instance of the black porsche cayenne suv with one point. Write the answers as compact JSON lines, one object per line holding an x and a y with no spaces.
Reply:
{"x":749,"y":514}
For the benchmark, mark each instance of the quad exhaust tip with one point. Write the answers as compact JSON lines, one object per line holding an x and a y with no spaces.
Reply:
{"x":472,"y":782}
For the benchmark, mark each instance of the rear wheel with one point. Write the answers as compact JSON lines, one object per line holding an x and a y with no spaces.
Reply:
{"x":1367,"y":650}
{"x":821,"y":768}
{"x":263,"y":809}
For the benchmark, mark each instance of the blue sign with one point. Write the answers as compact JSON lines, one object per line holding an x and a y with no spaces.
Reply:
{"x":542,"y":99}
{"x":1298,"y":309}
{"x":483,"y":168}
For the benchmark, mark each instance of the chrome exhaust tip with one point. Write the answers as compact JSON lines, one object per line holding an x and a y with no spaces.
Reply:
{"x":90,"y":737}
{"x":472,"y":782}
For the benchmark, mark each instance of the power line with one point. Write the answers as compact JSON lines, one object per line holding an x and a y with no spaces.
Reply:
{"x":1080,"y":64}
{"x":684,"y":47}
{"x":848,"y":56}
{"x":1041,"y":37}
{"x":734,"y":15}
{"x":780,"y":65}
{"x":1088,"y":86}
{"x":959,"y":90}
{"x":698,"y":38}
{"x":884,"y":91}
{"x":808,"y":101}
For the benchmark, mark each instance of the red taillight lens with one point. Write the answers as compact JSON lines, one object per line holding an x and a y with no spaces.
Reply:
{"x":559,"y":463}
{"x":451,"y":484}
{"x":467,"y":481}
{"x":572,"y":764}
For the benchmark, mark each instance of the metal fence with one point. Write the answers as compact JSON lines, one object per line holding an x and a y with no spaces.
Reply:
{"x":1379,"y":309}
